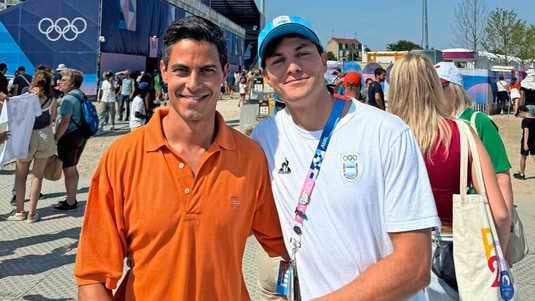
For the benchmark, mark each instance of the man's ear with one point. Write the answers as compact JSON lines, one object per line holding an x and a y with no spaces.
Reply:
{"x":163,"y":70}
{"x":225,"y":71}
{"x":324,"y":61}
{"x":265,"y":75}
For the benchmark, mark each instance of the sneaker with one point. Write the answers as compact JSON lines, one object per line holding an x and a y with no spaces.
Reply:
{"x":63,"y":205}
{"x":17,"y":216}
{"x":519,"y":176}
{"x":33,"y":218}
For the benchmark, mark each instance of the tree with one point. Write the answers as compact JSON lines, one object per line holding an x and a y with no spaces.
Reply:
{"x":331,"y":56}
{"x":524,"y":41}
{"x":500,"y":30}
{"x":402,"y":45}
{"x":470,"y":20}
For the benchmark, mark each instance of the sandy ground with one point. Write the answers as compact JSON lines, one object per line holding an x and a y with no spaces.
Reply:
{"x":511,"y":134}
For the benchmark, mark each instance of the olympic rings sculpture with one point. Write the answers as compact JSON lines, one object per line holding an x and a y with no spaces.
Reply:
{"x":62,"y":28}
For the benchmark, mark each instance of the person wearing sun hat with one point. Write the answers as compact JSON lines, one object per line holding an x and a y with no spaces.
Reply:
{"x":370,"y":209}
{"x":459,"y":104}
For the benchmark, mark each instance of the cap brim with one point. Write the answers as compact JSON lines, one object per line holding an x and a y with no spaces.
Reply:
{"x":286,"y":29}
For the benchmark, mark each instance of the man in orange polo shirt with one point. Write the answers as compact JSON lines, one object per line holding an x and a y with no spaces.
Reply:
{"x":179,"y":196}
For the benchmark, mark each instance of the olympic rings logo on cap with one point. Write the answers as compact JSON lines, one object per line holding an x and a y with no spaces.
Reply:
{"x":62,"y":28}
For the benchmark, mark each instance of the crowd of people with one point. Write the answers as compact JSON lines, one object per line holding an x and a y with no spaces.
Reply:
{"x":132,"y":97}
{"x":45,"y":111}
{"x":176,"y":199}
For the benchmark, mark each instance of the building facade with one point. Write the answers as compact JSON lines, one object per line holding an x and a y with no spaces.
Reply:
{"x":345,"y":49}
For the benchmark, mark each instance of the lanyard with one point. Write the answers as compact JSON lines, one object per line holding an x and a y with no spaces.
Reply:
{"x":313,"y":172}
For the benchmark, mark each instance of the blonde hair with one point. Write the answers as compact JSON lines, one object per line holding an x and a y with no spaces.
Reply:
{"x":461,"y":100}
{"x":415,"y":95}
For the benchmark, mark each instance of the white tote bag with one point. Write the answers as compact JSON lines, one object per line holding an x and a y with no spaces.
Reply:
{"x":480,"y":267}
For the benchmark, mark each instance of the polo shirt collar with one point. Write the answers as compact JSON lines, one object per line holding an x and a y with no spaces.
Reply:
{"x":156,"y":139}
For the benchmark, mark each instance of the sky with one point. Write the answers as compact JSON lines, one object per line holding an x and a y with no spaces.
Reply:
{"x":379,"y":22}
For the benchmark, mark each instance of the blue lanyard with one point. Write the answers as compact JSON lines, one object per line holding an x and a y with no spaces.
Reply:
{"x":315,"y":165}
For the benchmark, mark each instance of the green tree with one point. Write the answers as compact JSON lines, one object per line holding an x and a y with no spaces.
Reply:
{"x":500,"y":31}
{"x":402,"y":45}
{"x":331,"y":56}
{"x":524,"y":41}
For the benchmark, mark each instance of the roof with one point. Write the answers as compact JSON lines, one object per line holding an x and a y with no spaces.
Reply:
{"x":239,"y":11}
{"x":344,"y":41}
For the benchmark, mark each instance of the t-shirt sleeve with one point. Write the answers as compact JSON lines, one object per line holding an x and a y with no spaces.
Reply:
{"x":490,"y":137}
{"x":266,"y":225}
{"x":524,"y":123}
{"x":102,"y":245}
{"x":409,"y":202}
{"x":67,"y":107}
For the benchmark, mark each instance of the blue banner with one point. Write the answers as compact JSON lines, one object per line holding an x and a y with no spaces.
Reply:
{"x":50,"y":33}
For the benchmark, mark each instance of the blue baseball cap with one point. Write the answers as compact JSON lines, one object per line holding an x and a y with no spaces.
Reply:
{"x":282,"y":26}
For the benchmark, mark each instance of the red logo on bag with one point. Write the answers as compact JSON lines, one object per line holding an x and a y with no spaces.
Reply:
{"x":492,"y":263}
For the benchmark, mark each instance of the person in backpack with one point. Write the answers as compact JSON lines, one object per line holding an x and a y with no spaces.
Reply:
{"x":71,"y":141}
{"x":21,"y":82}
{"x":42,"y":146}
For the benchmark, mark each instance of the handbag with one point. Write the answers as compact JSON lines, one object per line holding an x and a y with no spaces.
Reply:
{"x":480,"y":267}
{"x":517,"y":240}
{"x":53,"y":168}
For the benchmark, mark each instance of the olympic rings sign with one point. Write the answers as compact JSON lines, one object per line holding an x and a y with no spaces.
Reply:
{"x":62,"y":28}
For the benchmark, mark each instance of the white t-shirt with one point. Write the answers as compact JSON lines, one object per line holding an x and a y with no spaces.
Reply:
{"x":108,"y":92}
{"x":242,"y":87}
{"x":501,"y":86}
{"x":137,"y":105}
{"x":19,"y":112}
{"x":373,"y":181}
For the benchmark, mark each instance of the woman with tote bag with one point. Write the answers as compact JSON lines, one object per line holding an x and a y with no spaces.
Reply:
{"x":416,"y":97}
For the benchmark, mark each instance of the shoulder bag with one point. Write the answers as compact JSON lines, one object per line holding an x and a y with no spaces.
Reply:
{"x":480,"y":267}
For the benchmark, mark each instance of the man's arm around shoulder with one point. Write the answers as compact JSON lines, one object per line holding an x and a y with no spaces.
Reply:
{"x":397,"y":276}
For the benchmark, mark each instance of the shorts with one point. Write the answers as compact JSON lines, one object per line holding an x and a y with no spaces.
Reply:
{"x":530,"y":151}
{"x":70,"y":148}
{"x":42,"y":144}
{"x":267,"y":278}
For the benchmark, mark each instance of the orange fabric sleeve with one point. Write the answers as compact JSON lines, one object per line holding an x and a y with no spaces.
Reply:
{"x":102,"y":245}
{"x":266,"y":225}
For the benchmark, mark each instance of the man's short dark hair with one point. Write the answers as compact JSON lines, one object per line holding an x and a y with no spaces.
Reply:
{"x":195,"y":28}
{"x":21,"y":68}
{"x":379,"y":71}
{"x":272,"y":46}
{"x":3,"y":66}
{"x":501,"y":77}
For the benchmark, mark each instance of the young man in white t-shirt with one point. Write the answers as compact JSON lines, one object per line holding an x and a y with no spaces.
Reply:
{"x":106,"y":95}
{"x":138,"y":114}
{"x":367,"y":232}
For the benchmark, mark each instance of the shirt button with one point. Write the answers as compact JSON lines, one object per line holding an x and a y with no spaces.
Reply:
{"x":180,"y":165}
{"x":187,"y":190}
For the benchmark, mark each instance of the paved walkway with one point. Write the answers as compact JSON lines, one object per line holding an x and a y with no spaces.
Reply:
{"x":36,"y":260}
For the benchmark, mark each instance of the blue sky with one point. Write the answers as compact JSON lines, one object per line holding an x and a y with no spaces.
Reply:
{"x":378,"y":22}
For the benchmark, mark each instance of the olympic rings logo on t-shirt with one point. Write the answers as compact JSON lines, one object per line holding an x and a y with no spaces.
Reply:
{"x":62,"y":28}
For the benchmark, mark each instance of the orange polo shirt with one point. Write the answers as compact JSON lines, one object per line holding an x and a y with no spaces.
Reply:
{"x":184,"y":235}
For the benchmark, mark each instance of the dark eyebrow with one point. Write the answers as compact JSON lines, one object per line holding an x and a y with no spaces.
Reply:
{"x":176,"y":66}
{"x":299,"y":47}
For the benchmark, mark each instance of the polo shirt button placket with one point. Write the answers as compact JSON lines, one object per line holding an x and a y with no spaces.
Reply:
{"x":187,"y":191}
{"x":181,"y":165}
